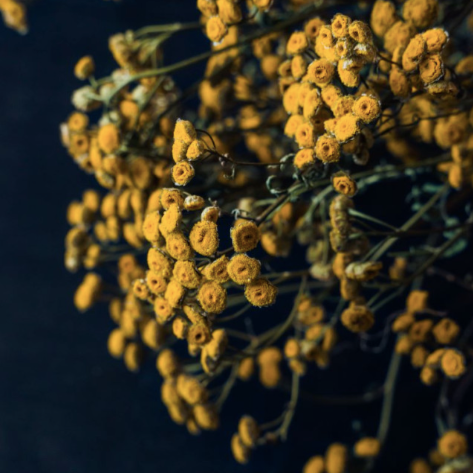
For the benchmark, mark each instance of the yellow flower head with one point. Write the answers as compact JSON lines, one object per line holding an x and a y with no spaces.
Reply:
{"x":109,"y":138}
{"x":421,"y":13}
{"x":357,"y":318}
{"x":198,"y":334}
{"x":140,"y":289}
{"x":191,"y":390}
{"x":399,"y":83}
{"x":367,"y":108}
{"x":179,"y":151}
{"x":435,"y":39}
{"x":383,"y":16}
{"x":297,"y":43}
{"x":210,"y":214}
{"x":452,"y":444}
{"x":452,"y":363}
{"x":116,"y":343}
{"x":217,"y":271}
{"x":261,"y":293}
{"x":156,"y":283}
{"x":248,"y":430}
{"x":204,"y":238}
{"x":290,"y":99}
{"x":178,"y":247}
{"x":312,"y":104}
{"x":414,"y":53}
{"x":195,"y":150}
{"x":320,"y":72}
{"x":215,"y":29}
{"x":243,"y":269}
{"x":367,"y":447}
{"x":246,"y":368}
{"x":292,"y":125}
{"x":151,"y":227}
{"x":184,"y":131}
{"x":431,"y":68}
{"x":344,"y":184}
{"x":84,"y":68}
{"x":347,"y":127}
{"x":340,"y":24}
{"x":186,"y":273}
{"x":182,"y":173}
{"x":327,"y":149}
{"x":133,"y":356}
{"x":305,"y":135}
{"x":206,"y":416}
{"x":245,"y":236}
{"x":163,"y":310}
{"x":194,"y":202}
{"x":175,"y":293}
{"x":167,"y":364}
{"x":417,"y":301}
{"x":304,"y":158}
{"x":360,"y":32}
{"x":77,"y":121}
{"x":212,"y":297}
{"x":172,"y":196}
{"x":298,"y":66}
{"x":159,"y":263}
{"x":446,"y":331}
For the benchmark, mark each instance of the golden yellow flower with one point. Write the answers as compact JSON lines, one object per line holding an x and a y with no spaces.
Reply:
{"x":261,"y":293}
{"x":216,"y":29}
{"x":292,"y":125}
{"x":195,"y":150}
{"x":367,"y":108}
{"x":133,"y":356}
{"x":312,"y":27}
{"x":246,"y":368}
{"x":204,"y":238}
{"x":212,"y":297}
{"x":249,"y":431}
{"x":421,"y":13}
{"x":179,"y":151}
{"x":242,"y":269}
{"x":363,"y":271}
{"x":320,"y":72}
{"x":417,"y":301}
{"x":420,"y":330}
{"x":167,"y":364}
{"x":191,"y":390}
{"x":298,"y":66}
{"x":116,"y":343}
{"x":446,"y":331}
{"x":140,"y":289}
{"x":398,"y":35}
{"x":77,"y":121}
{"x":305,"y":135}
{"x":210,"y":214}
{"x":344,"y":184}
{"x":159,"y":264}
{"x":403,"y":322}
{"x":452,"y":444}
{"x":383,"y":16}
{"x":304,"y":158}
{"x":178,"y":247}
{"x":452,"y":363}
{"x":153,"y":334}
{"x":435,"y":39}
{"x":163,"y":310}
{"x":182,"y":173}
{"x":327,"y":149}
{"x":326,"y":37}
{"x":314,"y":465}
{"x":241,"y":453}
{"x":347,"y":127}
{"x":419,"y":356}
{"x":206,"y":416}
{"x":108,"y":138}
{"x":84,"y":68}
{"x":88,"y":292}
{"x":360,"y":32}
{"x":217,"y":271}
{"x":194,"y":202}
{"x":312,"y":103}
{"x":186,"y":273}
{"x":367,"y":447}
{"x":171,"y":196}
{"x":151,"y":227}
{"x":198,"y":334}
{"x":245,"y":236}
{"x":428,"y":376}
{"x":336,"y":458}
{"x":357,"y":318}
{"x":229,"y":11}
{"x":431,"y":68}
{"x":290,"y":99}
{"x":297,"y":43}
{"x":414,"y":53}
{"x":399,"y":83}
{"x":175,"y":293}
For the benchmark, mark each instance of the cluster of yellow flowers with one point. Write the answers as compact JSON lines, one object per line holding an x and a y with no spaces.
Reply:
{"x":205,"y":214}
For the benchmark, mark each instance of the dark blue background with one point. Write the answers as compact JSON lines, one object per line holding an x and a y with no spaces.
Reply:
{"x":65,"y":404}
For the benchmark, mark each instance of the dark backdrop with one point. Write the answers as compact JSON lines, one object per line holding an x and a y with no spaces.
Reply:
{"x":65,"y":404}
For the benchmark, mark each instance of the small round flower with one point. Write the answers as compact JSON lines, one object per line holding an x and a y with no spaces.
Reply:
{"x":367,"y":447}
{"x":159,"y":263}
{"x":312,"y":104}
{"x":171,"y":220}
{"x":343,"y":105}
{"x":347,"y":127}
{"x":210,"y":214}
{"x":320,"y":72}
{"x":399,"y":83}
{"x":175,"y":293}
{"x":419,"y":356}
{"x":312,"y":27}
{"x":327,"y":149}
{"x":446,"y":331}
{"x":398,"y":35}
{"x":163,"y":310}
{"x":419,"y":331}
{"x":417,"y":301}
{"x":178,"y":247}
{"x":414,"y":53}
{"x":336,"y":458}
{"x":194,"y":202}
{"x":421,"y":13}
{"x":151,"y":227}
{"x":290,"y":99}
{"x":191,"y":390}
{"x":249,"y":431}
{"x":116,"y":343}
{"x":261,"y":293}
{"x":344,"y":184}
{"x":153,"y":334}
{"x":360,"y":32}
{"x":403,"y":322}
{"x":431,"y":68}
{"x":452,"y":444}
{"x":292,"y":125}
{"x":217,"y":271}
{"x":77,"y":121}
{"x":186,"y":273}
{"x":304,"y":158}
{"x":340,"y":24}
{"x":182,"y":173}
{"x":242,"y":269}
{"x":215,"y":29}
{"x":245,"y":236}
{"x":363,"y":271}
{"x":206,"y":416}
{"x":383,"y":16}
{"x":357,"y":318}
{"x":246,"y":368}
{"x":84,"y":68}
{"x":179,"y":150}
{"x":204,"y":238}
{"x":367,"y":108}
{"x":305,"y":135}
{"x":108,"y":138}
{"x":297,"y":43}
{"x":133,"y":356}
{"x":326,"y":37}
{"x":229,"y":11}
{"x":167,"y":364}
{"x":452,"y":363}
{"x":195,"y":150}
{"x":314,"y":465}
{"x":240,"y":451}
{"x":428,"y":376}
{"x":212,"y":297}
{"x":198,"y":334}
{"x":140,"y":289}
{"x":435,"y":39}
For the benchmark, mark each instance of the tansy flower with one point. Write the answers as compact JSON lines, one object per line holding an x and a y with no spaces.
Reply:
{"x":198,"y":334}
{"x":108,"y":138}
{"x":304,"y":158}
{"x":77,"y":121}
{"x":413,"y":53}
{"x":298,"y":66}
{"x":452,"y":363}
{"x":171,"y":220}
{"x":420,"y":330}
{"x":398,"y":35}
{"x":339,"y":25}
{"x":327,"y":149}
{"x":417,"y":301}
{"x":403,"y":322}
{"x":248,"y":430}
{"x":305,"y":88}
{"x":186,"y":274}
{"x":367,"y":108}
{"x":217,"y":271}
{"x":326,"y":37}
{"x":312,"y":27}
{"x":344,"y":184}
{"x":178,"y":247}
{"x":212,"y":297}
{"x":159,"y":263}
{"x":421,"y":13}
{"x":215,"y":29}
{"x":292,"y":124}
{"x":314,"y":465}
{"x":184,"y":131}
{"x":179,"y":151}
{"x":360,"y":32}
{"x":156,"y":283}
{"x":305,"y":135}
{"x":171,"y":196}
{"x":88,"y":292}
{"x":363,"y":271}
{"x":207,"y":7}
{"x":357,"y":318}
{"x":116,"y":343}
{"x":175,"y":293}
{"x":297,"y":43}
{"x":204,"y":238}
{"x":330,"y":94}
{"x":261,"y":293}
{"x":419,"y":355}
{"x":242,"y":269}
{"x":346,"y":128}
{"x":435,"y":39}
{"x":320,"y":72}
{"x":191,"y":390}
{"x":428,"y":376}
{"x":229,"y":11}
{"x":245,"y":236}
{"x":344,"y":47}
{"x":446,"y":331}
{"x":343,"y":105}
{"x":383,"y":16}
{"x":140,"y":289}
{"x":336,"y":458}
{"x":163,"y":310}
{"x":151,"y":227}
{"x":290,"y":99}
{"x":84,"y":68}
{"x":452,"y":444}
{"x":167,"y":364}
{"x":312,"y":104}
{"x":133,"y":356}
{"x":195,"y":150}
{"x":182,"y":173}
{"x":431,"y":68}
{"x":246,"y":368}
{"x":241,"y":453}
{"x":399,"y":83}
{"x":210,"y":214}
{"x":367,"y":447}
{"x":194,"y":202}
